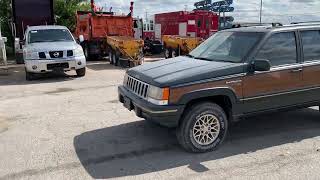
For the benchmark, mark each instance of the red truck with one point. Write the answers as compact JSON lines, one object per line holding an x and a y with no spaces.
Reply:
{"x":197,"y":23}
{"x":104,"y":33}
{"x":182,"y":31}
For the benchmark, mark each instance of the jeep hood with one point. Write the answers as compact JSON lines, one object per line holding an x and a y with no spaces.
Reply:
{"x":180,"y":70}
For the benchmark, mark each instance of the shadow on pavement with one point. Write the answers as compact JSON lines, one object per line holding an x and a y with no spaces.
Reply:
{"x":140,"y":147}
{"x":101,"y":65}
{"x":16,"y":76}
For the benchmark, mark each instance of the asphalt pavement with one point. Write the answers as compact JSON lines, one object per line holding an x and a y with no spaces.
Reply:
{"x":67,"y":127}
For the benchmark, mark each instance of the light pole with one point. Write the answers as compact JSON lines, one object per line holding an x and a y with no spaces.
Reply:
{"x":261,"y":11}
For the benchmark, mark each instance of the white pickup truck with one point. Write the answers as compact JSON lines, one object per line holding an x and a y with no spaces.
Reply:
{"x":51,"y":48}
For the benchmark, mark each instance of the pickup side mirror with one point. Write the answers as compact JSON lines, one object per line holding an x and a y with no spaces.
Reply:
{"x":261,"y":65}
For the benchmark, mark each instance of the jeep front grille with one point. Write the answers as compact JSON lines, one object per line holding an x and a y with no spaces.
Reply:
{"x":136,"y":86}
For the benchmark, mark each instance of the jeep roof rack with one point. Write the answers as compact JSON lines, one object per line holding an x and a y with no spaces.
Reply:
{"x":306,"y":22}
{"x":238,"y":25}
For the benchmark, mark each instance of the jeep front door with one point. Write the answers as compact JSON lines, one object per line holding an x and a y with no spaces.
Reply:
{"x":274,"y":88}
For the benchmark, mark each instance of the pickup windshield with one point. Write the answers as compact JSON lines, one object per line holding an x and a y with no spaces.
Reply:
{"x":49,"y":35}
{"x":226,"y":46}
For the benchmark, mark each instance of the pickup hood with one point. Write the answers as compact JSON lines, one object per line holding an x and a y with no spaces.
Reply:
{"x":180,"y":70}
{"x":51,"y":46}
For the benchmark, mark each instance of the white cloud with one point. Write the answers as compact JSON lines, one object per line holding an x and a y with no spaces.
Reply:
{"x":245,"y":10}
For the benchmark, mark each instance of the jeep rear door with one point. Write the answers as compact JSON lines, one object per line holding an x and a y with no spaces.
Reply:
{"x":275,"y":88}
{"x":310,"y":40}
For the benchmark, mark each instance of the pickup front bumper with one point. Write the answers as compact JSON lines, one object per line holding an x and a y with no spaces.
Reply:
{"x":64,"y":64}
{"x":167,"y":116}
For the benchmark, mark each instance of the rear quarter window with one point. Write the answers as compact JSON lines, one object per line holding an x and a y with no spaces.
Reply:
{"x":311,"y":45}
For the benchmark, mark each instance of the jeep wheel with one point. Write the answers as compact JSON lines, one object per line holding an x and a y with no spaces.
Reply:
{"x":29,"y":76}
{"x":81,"y":72}
{"x":203,"y":128}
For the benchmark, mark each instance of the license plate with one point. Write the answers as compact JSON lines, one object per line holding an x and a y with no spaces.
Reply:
{"x":127,"y":103}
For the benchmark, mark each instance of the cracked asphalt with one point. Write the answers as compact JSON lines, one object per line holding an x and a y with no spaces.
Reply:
{"x":74,"y":128}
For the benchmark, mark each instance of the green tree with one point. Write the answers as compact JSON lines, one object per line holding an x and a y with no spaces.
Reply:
{"x":65,"y":11}
{"x":5,"y":15}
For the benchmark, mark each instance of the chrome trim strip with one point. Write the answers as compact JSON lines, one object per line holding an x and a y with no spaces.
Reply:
{"x":234,"y":82}
{"x":278,"y":94}
{"x":211,"y":80}
{"x":311,"y":63}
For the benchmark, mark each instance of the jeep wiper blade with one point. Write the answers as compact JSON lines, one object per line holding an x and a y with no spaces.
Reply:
{"x":203,"y":58}
{"x":189,"y":55}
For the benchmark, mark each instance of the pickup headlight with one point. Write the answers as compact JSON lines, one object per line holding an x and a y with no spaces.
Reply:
{"x":158,"y":96}
{"x":78,"y":52}
{"x":29,"y":55}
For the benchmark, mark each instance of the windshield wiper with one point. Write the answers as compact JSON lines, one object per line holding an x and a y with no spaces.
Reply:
{"x":189,"y":55}
{"x":203,"y":58}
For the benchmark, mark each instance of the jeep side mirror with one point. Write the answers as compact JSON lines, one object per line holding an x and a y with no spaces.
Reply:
{"x":261,"y":65}
{"x":81,"y":38}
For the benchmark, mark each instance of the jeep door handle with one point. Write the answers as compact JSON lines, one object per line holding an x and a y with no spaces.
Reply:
{"x":296,"y":70}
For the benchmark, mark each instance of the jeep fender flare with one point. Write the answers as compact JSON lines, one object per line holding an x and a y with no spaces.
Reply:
{"x":209,"y":92}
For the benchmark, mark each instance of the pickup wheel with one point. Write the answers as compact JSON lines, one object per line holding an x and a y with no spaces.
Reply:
{"x":29,"y":76}
{"x":203,"y":128}
{"x":167,"y":53}
{"x":81,"y":72}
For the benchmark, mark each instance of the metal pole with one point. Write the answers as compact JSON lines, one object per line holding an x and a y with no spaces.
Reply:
{"x":261,"y":11}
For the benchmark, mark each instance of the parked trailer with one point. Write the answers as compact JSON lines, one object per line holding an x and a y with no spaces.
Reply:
{"x":178,"y":45}
{"x":125,"y":50}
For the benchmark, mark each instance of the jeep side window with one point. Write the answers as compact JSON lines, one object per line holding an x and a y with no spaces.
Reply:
{"x":311,"y":45}
{"x":280,"y":49}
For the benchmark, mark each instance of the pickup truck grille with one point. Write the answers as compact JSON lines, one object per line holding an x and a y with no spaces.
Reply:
{"x":136,"y":86}
{"x":56,"y":54}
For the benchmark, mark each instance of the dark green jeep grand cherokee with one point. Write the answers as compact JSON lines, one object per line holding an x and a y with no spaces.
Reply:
{"x":235,"y":73}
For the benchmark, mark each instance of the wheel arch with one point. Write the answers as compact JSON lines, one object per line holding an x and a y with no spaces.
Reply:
{"x":224,"y":97}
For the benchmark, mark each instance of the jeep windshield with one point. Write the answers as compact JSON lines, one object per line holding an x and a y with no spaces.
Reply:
{"x":226,"y":46}
{"x":49,"y":35}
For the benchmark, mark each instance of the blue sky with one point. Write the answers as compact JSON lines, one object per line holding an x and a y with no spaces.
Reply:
{"x":245,"y":10}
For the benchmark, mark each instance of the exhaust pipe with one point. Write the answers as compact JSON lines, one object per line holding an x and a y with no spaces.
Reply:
{"x":92,"y":6}
{"x":131,"y":8}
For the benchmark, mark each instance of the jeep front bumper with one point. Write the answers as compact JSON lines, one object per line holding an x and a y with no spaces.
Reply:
{"x":168,"y":116}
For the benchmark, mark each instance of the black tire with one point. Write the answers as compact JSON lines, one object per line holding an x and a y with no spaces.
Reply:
{"x":29,"y":76}
{"x":175,"y":53}
{"x":81,"y":72}
{"x":86,"y":51}
{"x":167,"y":53}
{"x":117,"y":59}
{"x":111,"y":57}
{"x":185,"y":131}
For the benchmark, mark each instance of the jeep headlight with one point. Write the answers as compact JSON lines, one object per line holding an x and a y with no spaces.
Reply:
{"x":158,"y":96}
{"x":78,"y":51}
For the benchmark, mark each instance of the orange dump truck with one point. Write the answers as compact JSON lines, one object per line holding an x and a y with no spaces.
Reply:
{"x":97,"y":32}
